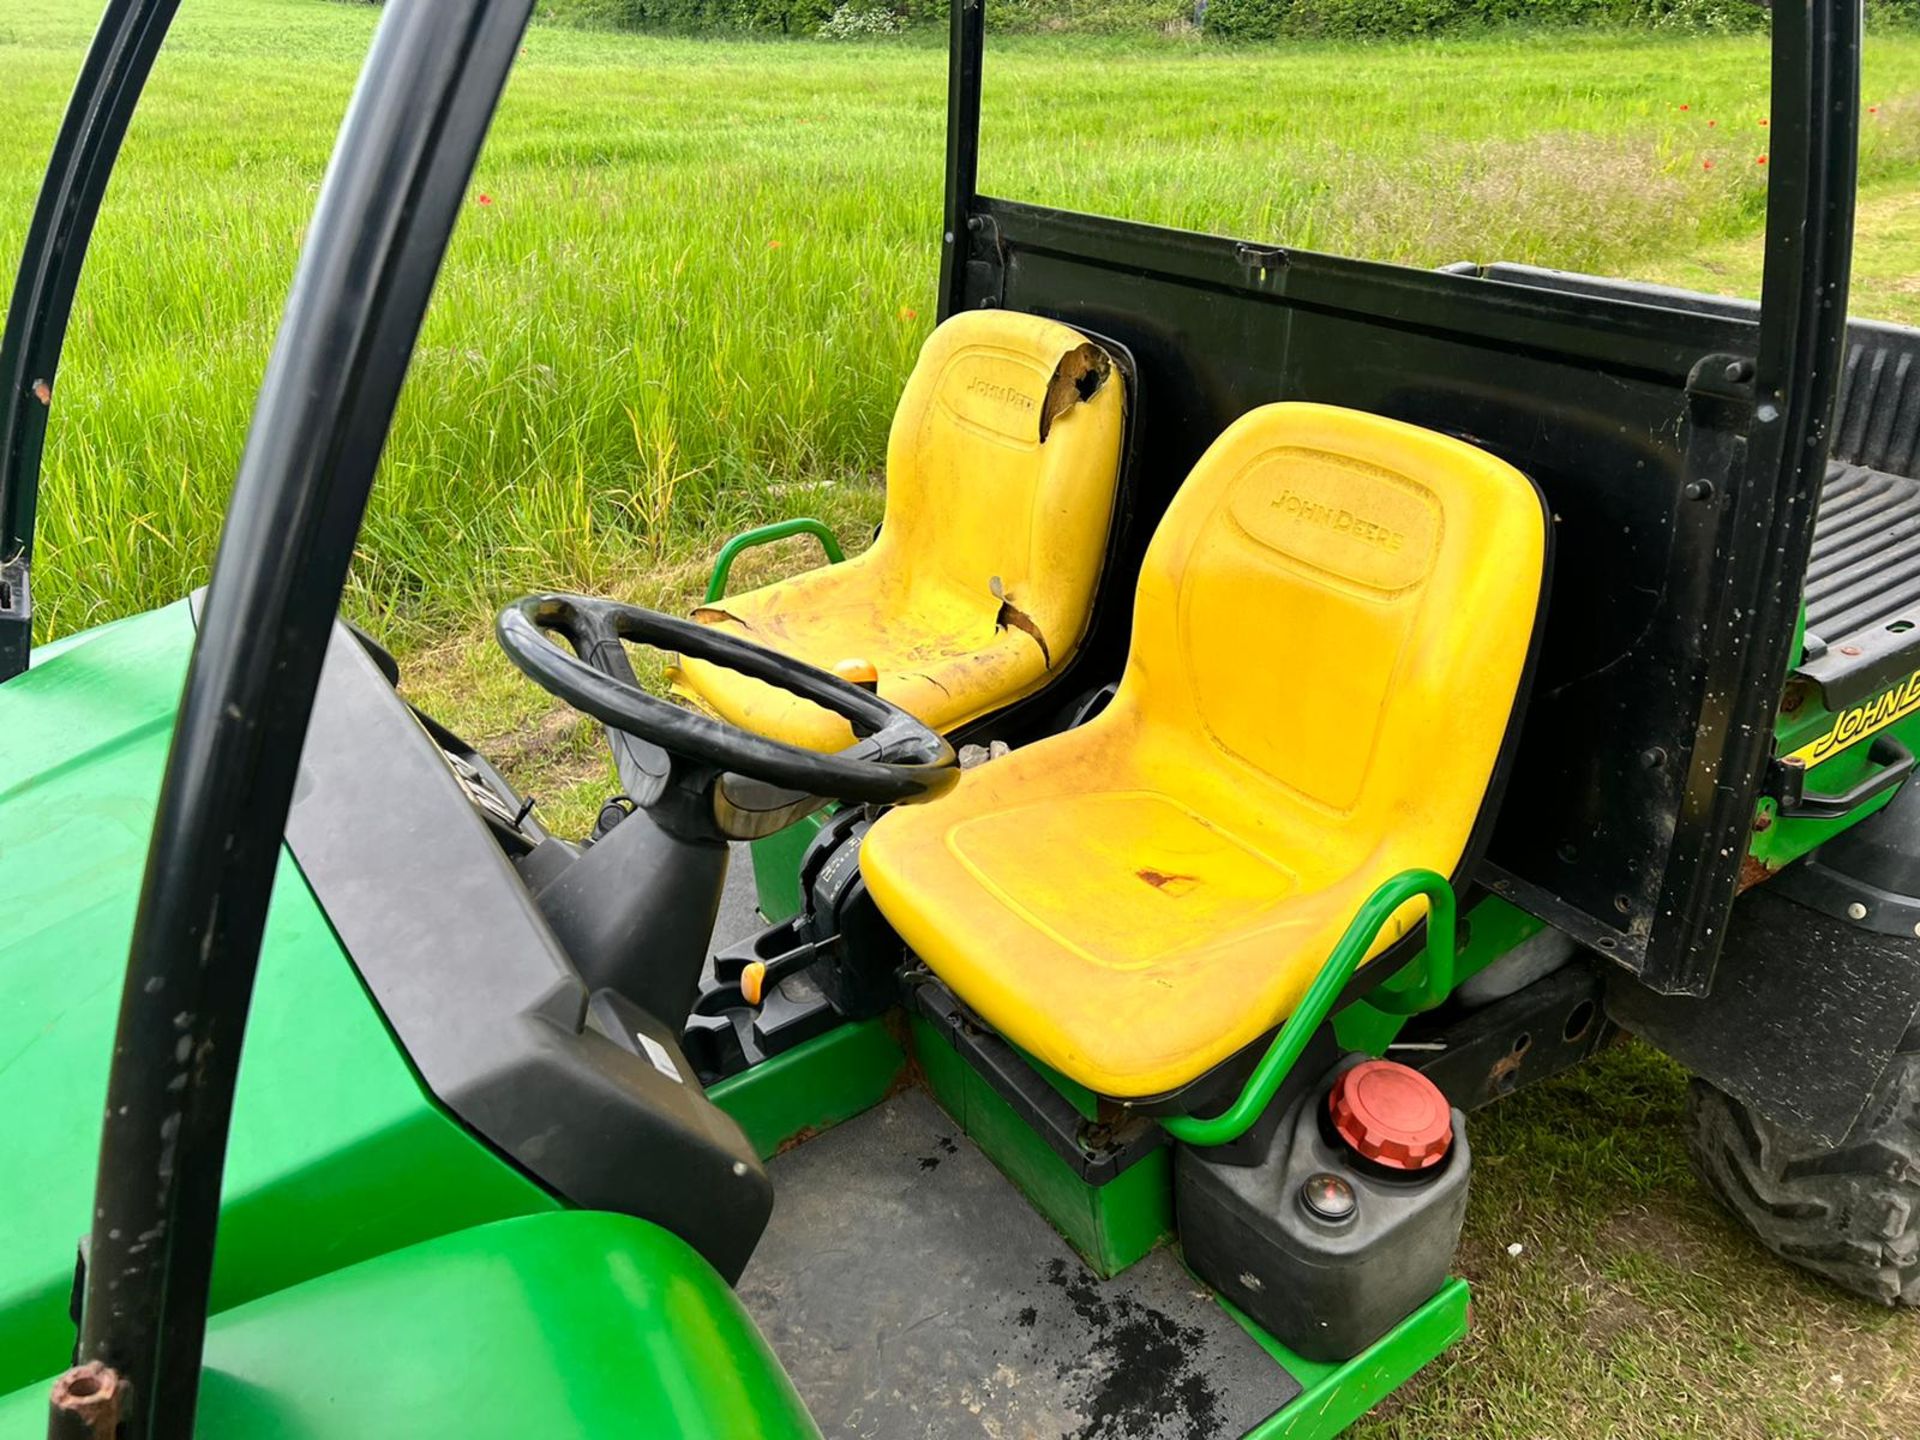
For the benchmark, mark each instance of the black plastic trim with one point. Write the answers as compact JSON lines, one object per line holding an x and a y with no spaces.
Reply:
{"x":481,"y":995}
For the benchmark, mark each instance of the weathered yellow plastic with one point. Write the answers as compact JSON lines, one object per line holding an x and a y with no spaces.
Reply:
{"x":1331,"y":626}
{"x":1001,"y":472}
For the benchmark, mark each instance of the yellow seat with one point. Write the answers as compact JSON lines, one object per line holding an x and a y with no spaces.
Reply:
{"x":1001,"y":471}
{"x":1332,"y":623}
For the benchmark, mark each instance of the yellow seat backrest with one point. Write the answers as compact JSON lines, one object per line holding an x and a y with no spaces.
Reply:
{"x":1337,"y":609}
{"x":1001,"y":475}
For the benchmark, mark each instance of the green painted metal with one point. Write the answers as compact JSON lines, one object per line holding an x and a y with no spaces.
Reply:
{"x":766,"y":535}
{"x":1778,"y":839}
{"x":337,"y":1153}
{"x":1489,"y":930}
{"x":1335,"y":1395}
{"x":557,"y":1326}
{"x":776,"y":866}
{"x":1434,"y":981}
{"x":1110,"y":1226}
{"x":830,"y":1078}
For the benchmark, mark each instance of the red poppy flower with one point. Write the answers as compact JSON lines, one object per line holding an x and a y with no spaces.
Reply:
{"x":1765,"y":121}
{"x":1706,"y":164}
{"x":774,"y":244}
{"x":483,"y":198}
{"x":1759,"y":159}
{"x":907,"y":312}
{"x":1686,"y":107}
{"x":1711,"y":123}
{"x":1873,"y":109}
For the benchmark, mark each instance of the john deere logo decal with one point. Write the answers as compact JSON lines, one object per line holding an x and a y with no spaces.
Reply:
{"x":1862,"y":720}
{"x":1000,"y":394}
{"x":1341,"y":522}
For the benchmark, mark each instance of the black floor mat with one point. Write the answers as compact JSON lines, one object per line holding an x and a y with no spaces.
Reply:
{"x":913,"y":1294}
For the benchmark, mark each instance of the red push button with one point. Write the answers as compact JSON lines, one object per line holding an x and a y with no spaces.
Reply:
{"x":1392,"y":1115}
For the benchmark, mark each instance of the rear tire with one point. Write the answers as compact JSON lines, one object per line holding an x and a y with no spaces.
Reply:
{"x":1849,"y":1213}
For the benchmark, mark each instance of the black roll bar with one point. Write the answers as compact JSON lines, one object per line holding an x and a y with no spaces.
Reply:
{"x":111,"y":79}
{"x":386,"y":212}
{"x":966,"y":44}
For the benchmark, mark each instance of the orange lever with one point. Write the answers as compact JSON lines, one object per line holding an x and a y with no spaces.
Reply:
{"x":752,"y":981}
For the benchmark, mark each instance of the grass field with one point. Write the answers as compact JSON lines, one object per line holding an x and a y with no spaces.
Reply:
{"x":689,"y":283}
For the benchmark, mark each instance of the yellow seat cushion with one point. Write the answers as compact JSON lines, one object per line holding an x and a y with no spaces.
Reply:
{"x":1332,"y":622}
{"x":1001,"y":470}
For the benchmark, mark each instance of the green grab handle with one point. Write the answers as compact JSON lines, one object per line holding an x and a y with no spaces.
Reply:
{"x":766,"y":535}
{"x":1312,"y":1010}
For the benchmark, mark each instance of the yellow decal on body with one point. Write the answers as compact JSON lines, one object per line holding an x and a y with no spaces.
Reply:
{"x":1862,"y":720}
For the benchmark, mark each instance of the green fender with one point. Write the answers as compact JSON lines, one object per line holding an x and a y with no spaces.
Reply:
{"x":555,"y":1326}
{"x":337,"y":1154}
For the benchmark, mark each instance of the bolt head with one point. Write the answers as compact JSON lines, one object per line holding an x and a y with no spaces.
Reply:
{"x":1856,"y":911}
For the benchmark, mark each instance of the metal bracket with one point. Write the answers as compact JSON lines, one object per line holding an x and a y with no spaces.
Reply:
{"x":1722,"y":382}
{"x":1266,"y":261}
{"x":986,"y":262}
{"x":16,"y":616}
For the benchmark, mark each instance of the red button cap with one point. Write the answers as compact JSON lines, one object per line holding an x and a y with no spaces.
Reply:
{"x":1392,"y":1115}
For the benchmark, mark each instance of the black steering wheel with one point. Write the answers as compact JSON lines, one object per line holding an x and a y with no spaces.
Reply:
{"x":895,"y":759}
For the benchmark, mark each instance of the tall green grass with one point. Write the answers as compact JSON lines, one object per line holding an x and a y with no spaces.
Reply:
{"x":693,"y":274}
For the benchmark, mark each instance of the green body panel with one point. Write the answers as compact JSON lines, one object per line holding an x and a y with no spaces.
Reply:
{"x":337,"y":1153}
{"x":1487,"y":931}
{"x":776,"y":867}
{"x":830,"y":1078}
{"x":551,"y":1326}
{"x":1110,"y":1225}
{"x":1337,"y":1394}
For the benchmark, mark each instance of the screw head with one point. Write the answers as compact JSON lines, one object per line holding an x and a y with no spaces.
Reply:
{"x":1856,"y":911}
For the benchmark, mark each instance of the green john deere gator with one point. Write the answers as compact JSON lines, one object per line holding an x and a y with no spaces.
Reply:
{"x":1292,"y":701}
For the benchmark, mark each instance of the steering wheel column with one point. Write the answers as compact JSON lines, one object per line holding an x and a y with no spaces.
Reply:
{"x":635,"y":909}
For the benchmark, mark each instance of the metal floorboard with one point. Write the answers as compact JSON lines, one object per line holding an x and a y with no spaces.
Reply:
{"x":913,"y":1294}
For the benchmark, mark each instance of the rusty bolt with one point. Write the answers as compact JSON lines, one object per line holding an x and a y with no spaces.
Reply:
{"x":1763,"y":821}
{"x":86,"y":1402}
